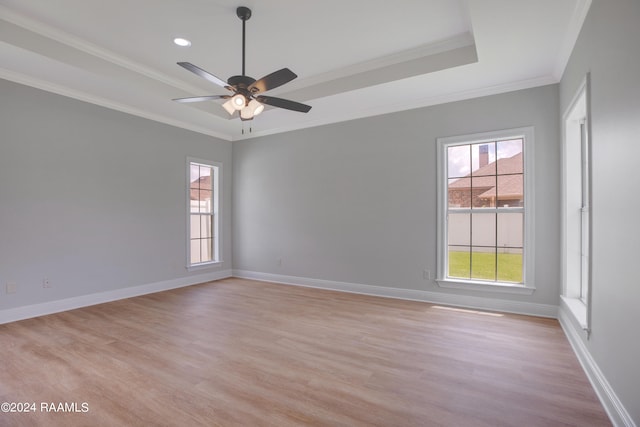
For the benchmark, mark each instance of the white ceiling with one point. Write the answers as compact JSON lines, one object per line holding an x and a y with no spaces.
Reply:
{"x":353,"y":58}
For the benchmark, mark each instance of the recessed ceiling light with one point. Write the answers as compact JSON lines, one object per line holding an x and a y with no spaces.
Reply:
{"x":182,"y":42}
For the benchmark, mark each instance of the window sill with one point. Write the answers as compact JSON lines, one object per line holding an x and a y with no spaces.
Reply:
{"x":203,"y":266}
{"x":486,"y":286}
{"x":578,"y":309}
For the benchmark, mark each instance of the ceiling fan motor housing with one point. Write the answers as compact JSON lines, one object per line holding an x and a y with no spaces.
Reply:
{"x":241,"y":81}
{"x":241,"y":85}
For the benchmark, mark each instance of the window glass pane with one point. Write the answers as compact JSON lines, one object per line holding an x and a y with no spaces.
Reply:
{"x":459,"y":161}
{"x":510,"y":230}
{"x":483,"y":263}
{"x":205,"y":178}
{"x":194,"y":203}
{"x":459,"y":231}
{"x":483,"y":159}
{"x":204,"y":200}
{"x":510,"y":265}
{"x":206,"y":252}
{"x":459,"y":262}
{"x":510,"y":157}
{"x":481,"y":188}
{"x":483,"y":229}
{"x":460,"y":193}
{"x":510,"y":191}
{"x":194,"y":175}
{"x":194,"y":227}
{"x":195,"y":251}
{"x":205,"y":226}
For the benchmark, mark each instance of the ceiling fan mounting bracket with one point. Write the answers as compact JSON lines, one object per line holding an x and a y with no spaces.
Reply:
{"x":243,"y":13}
{"x":242,"y":83}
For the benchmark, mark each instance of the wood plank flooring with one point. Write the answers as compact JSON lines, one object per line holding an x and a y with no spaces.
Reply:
{"x":246,"y":353}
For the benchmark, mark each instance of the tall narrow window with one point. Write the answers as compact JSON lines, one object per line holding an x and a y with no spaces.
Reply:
{"x":484,"y":209}
{"x":203,"y":216}
{"x":584,"y":211}
{"x":576,"y":207}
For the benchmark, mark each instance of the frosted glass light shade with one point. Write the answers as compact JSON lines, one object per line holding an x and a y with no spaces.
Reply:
{"x":229,"y":106}
{"x":256,"y":106}
{"x":238,"y":101}
{"x":252,"y":109}
{"x":246,"y":113}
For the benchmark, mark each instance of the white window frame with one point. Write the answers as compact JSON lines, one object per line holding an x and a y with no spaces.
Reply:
{"x":576,"y":207}
{"x":528,"y":285}
{"x":217,"y":203}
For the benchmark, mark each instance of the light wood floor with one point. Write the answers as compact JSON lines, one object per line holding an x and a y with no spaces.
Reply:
{"x":239,"y":352}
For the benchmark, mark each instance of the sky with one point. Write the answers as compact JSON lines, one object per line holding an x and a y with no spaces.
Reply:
{"x":462,"y":159}
{"x":195,"y":174}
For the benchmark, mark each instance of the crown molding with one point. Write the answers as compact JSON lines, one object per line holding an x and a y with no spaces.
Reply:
{"x":92,"y":49}
{"x":103,"y":102}
{"x":573,"y":31}
{"x":407,"y":105}
{"x":441,"y":46}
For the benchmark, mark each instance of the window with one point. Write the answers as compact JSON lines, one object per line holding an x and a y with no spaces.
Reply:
{"x":576,"y":222}
{"x":203,"y":213}
{"x":484,"y":221}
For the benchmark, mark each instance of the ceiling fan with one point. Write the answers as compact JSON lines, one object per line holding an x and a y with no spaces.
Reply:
{"x":246,"y":97}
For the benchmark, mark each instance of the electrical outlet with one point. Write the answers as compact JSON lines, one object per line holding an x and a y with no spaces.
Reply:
{"x":279,"y":262}
{"x":46,"y":283}
{"x":426,"y":274}
{"x":12,"y":288}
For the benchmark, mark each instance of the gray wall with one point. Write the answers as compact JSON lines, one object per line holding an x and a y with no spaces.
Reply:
{"x":356,"y":201}
{"x":91,"y":198}
{"x":609,"y":47}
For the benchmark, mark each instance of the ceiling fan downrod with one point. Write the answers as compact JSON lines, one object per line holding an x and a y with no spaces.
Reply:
{"x":244,"y":13}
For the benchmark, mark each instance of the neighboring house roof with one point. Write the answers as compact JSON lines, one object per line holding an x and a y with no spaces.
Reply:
{"x":203,"y":183}
{"x":510,"y":185}
{"x":510,"y":188}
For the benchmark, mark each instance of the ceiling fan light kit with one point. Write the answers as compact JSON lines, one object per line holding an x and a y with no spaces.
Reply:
{"x":247,"y":98}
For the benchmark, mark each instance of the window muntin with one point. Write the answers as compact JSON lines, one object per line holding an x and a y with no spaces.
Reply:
{"x":203,"y":208}
{"x":483,"y":215}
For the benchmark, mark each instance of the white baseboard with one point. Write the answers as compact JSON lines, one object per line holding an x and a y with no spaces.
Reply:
{"x":50,"y":307}
{"x":508,"y":306}
{"x":615,"y":409}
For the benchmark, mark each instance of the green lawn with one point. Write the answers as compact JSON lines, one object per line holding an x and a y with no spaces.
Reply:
{"x":483,"y":266}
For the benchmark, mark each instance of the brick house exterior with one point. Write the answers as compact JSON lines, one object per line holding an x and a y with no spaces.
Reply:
{"x":478,"y":189}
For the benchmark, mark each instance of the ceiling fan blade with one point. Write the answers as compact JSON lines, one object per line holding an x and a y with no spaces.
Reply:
{"x":204,"y":74}
{"x":284,"y":103}
{"x":201,"y":98}
{"x":272,"y":81}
